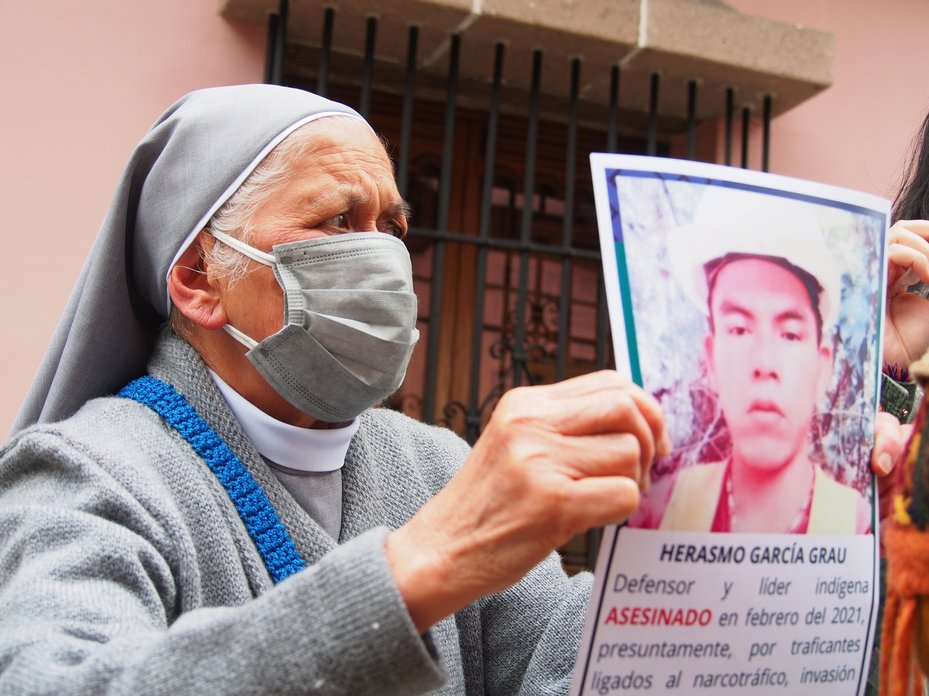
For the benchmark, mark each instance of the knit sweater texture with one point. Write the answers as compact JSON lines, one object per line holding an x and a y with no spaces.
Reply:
{"x":125,"y":568}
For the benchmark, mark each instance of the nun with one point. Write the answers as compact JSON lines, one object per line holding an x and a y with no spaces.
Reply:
{"x":201,"y":495}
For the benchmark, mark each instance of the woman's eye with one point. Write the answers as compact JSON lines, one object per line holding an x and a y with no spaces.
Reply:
{"x":393,"y":227}
{"x":340,"y":220}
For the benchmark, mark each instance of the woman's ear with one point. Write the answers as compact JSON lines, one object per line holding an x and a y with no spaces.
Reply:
{"x":192,"y":291}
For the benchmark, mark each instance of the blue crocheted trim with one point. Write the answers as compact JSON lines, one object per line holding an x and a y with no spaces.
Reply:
{"x":277,"y":549}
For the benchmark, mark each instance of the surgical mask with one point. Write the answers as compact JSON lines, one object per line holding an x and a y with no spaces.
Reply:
{"x":349,"y":322}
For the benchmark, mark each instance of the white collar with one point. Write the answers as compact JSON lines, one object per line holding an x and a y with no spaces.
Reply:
{"x":303,"y":449}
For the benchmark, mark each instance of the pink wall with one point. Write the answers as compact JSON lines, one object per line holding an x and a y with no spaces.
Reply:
{"x":858,"y":132}
{"x":82,"y":81}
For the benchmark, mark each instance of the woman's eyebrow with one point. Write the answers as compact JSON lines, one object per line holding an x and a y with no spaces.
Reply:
{"x":400,"y":209}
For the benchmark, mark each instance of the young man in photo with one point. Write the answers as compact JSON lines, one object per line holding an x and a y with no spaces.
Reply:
{"x":758,"y":269}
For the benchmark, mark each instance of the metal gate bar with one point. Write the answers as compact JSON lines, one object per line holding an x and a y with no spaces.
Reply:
{"x":271,"y":47}
{"x":325,"y":55}
{"x":613,"y":113}
{"x":280,"y":35}
{"x":406,"y":118}
{"x":438,"y":258}
{"x":367,"y":67}
{"x":652,"y":147}
{"x":730,"y":101}
{"x":518,"y":353}
{"x":505,"y":244}
{"x":564,"y":315}
{"x":746,"y":124}
{"x":475,"y":410}
{"x":603,"y":318}
{"x":766,"y":134}
{"x":691,"y":119}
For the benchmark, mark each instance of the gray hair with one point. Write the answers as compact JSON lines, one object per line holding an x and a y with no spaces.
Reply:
{"x":236,"y":216}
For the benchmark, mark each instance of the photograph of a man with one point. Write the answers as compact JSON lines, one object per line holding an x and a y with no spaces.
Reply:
{"x":757,"y":268}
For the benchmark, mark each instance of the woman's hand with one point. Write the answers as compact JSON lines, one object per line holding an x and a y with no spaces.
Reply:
{"x":890,"y":438}
{"x":906,"y":330}
{"x":553,"y":461}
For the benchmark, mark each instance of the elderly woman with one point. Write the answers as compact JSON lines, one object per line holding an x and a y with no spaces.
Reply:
{"x":215,"y":506}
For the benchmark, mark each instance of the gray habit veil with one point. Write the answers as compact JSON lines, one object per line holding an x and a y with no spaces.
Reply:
{"x":189,"y":163}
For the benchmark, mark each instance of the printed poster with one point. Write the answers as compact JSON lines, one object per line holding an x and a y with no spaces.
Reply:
{"x":751,"y":306}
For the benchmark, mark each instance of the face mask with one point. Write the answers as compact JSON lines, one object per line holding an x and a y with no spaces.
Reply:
{"x":349,"y":322}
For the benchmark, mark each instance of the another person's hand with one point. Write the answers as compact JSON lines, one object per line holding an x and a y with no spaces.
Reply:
{"x":553,"y":461}
{"x":890,"y":438}
{"x":906,"y":331}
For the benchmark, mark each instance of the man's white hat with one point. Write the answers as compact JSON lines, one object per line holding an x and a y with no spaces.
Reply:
{"x":734,"y":221}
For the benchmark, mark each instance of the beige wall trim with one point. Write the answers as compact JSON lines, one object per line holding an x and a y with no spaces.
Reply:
{"x":682,"y":40}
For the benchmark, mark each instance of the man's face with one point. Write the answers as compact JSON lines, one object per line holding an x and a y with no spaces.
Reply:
{"x":766,"y":361}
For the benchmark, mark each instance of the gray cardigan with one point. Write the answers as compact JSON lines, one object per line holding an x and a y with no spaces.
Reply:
{"x":124,"y":568}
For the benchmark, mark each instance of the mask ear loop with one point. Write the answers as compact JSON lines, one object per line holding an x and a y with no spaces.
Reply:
{"x":243,"y":248}
{"x":242,"y":338}
{"x":255,"y":255}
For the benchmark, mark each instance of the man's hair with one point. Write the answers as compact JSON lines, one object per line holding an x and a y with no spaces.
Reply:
{"x":813,"y":288}
{"x":236,"y":216}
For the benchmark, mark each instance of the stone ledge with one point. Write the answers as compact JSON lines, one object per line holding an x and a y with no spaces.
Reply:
{"x":682,"y":40}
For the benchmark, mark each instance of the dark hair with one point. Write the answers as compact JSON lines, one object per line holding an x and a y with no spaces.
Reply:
{"x":810,"y":284}
{"x":912,"y":202}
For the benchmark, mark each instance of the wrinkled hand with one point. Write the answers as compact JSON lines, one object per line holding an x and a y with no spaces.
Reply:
{"x":906,"y":331}
{"x":553,"y":461}
{"x":890,"y":438}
